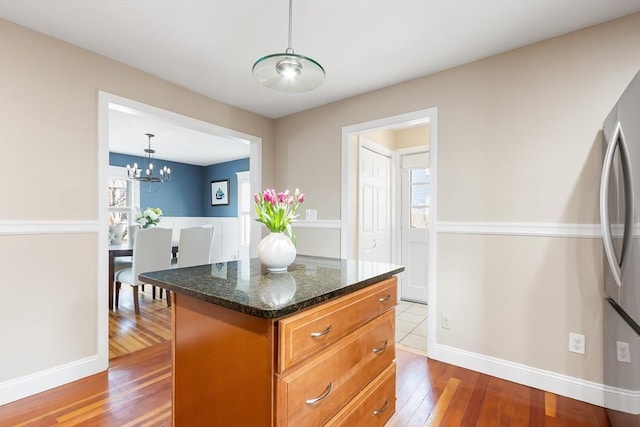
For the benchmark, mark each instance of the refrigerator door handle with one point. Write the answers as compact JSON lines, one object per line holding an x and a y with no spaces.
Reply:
{"x":617,"y":267}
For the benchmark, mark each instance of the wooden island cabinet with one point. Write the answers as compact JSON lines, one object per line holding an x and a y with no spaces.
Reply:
{"x":313,"y":346}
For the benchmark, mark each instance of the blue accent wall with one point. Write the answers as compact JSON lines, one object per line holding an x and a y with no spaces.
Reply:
{"x":218,"y":172}
{"x":188,"y":192}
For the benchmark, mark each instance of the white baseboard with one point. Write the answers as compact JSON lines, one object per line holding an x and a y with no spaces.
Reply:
{"x":38,"y":382}
{"x":563,"y":385}
{"x":622,"y":400}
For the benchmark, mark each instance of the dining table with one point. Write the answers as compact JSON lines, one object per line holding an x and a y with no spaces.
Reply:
{"x":123,"y":250}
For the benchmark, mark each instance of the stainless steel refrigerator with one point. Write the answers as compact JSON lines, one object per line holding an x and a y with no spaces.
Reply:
{"x":620,"y":219}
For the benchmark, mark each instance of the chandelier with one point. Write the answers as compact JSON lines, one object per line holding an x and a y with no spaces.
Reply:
{"x":288,"y":71}
{"x":136,"y":173}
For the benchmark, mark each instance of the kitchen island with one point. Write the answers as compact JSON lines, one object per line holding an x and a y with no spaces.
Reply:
{"x":311,"y":346}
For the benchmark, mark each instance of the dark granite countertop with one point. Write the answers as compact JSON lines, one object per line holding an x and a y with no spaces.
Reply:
{"x":246,"y":286}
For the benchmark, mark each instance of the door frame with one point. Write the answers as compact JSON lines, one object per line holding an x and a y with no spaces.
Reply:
{"x":104,"y":100}
{"x":348,"y":209}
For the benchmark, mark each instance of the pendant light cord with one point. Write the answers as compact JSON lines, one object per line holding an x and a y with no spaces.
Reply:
{"x":289,"y":48}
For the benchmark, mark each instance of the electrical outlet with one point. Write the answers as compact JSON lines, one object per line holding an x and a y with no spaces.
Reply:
{"x":576,"y":343}
{"x":622,"y":352}
{"x":446,"y":321}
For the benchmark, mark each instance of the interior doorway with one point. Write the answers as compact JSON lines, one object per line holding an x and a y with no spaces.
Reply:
{"x":419,"y":246}
{"x":107,"y":101}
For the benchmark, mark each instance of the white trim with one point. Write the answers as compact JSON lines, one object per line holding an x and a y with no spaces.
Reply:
{"x":8,"y":227}
{"x":418,"y":149}
{"x":623,"y":400}
{"x":38,"y":382}
{"x":590,"y":231}
{"x":408,"y":119}
{"x":564,"y":385}
{"x":105,"y":100}
{"x":326,"y":223}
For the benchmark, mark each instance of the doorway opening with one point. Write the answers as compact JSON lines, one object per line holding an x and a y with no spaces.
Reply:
{"x":375,"y":210}
{"x":107,"y":103}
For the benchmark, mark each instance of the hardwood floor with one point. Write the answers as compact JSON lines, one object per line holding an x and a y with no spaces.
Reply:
{"x":128,"y":332}
{"x":136,"y":390}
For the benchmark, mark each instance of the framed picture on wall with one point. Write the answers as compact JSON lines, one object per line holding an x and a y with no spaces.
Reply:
{"x":220,"y":192}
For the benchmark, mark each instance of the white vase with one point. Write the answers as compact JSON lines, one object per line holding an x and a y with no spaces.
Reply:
{"x":276,"y":252}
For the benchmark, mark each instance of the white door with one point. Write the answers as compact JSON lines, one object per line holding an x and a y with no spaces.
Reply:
{"x":374,"y":210}
{"x":415,"y":226}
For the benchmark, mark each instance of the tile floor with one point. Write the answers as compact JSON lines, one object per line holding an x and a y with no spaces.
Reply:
{"x":411,"y":326}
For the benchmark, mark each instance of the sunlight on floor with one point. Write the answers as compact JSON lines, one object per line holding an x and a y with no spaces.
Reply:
{"x":411,"y":326}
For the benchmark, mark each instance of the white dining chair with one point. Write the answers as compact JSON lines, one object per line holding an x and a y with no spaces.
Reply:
{"x":151,"y":252}
{"x":194,"y":247}
{"x":115,"y":238}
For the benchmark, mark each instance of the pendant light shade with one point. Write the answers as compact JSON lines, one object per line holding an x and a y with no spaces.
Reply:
{"x":288,"y":71}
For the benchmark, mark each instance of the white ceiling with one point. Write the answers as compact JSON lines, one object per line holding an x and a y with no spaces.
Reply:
{"x":209,"y":47}
{"x":172,"y":141}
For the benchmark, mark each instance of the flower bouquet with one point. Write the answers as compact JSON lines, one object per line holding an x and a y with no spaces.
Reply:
{"x":278,"y":210}
{"x":148,"y":217}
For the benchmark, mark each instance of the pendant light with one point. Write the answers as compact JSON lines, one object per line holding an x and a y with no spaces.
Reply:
{"x":288,"y":71}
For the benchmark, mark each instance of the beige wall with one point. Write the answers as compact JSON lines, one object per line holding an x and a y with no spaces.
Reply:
{"x":410,"y":137}
{"x":518,"y":142}
{"x":48,"y":170}
{"x":386,"y":138}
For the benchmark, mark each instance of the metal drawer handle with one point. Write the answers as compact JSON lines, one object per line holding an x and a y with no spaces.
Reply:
{"x":321,"y":333}
{"x":384,"y":299}
{"x":324,"y":394}
{"x":381,"y":349}
{"x":384,"y":408}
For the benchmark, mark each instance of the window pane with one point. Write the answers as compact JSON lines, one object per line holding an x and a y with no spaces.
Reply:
{"x":118,"y":193}
{"x":419,"y":176}
{"x":420,"y":195}
{"x":118,"y":217}
{"x":419,"y":217}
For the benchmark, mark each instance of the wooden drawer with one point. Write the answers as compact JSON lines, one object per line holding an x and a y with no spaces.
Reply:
{"x":305,"y":333}
{"x":315,"y":391}
{"x":373,"y":407}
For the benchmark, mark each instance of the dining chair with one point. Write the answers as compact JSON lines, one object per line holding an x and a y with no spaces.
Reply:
{"x":115,"y":238}
{"x":151,"y":252}
{"x":194,"y":247}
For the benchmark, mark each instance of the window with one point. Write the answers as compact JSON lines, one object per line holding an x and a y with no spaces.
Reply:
{"x":123,"y":196}
{"x":419,"y":200}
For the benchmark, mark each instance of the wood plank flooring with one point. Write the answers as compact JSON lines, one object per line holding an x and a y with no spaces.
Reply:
{"x":136,"y":390}
{"x":128,"y":332}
